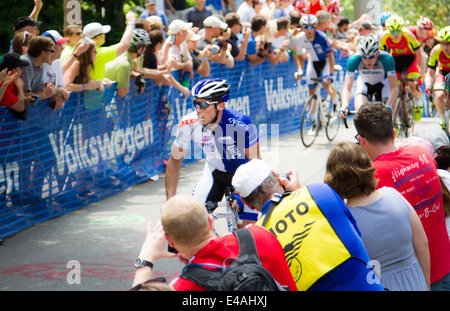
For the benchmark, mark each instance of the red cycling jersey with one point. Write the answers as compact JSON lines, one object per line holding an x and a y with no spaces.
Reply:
{"x":407,"y":45}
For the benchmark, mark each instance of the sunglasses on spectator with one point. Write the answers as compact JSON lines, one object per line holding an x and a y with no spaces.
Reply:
{"x":78,"y":33}
{"x":52,"y":50}
{"x":26,"y":34}
{"x":309,"y":26}
{"x":203,"y":105}
{"x":357,"y":138}
{"x":396,"y":31}
{"x":367,"y":56}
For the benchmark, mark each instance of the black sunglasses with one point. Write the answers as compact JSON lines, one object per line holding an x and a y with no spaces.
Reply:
{"x":203,"y":105}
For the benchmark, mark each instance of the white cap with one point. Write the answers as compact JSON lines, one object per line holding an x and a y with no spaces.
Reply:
{"x":94,"y":29}
{"x":213,"y":21}
{"x":435,"y":135}
{"x":178,"y":25}
{"x":149,"y":2}
{"x":55,"y":36}
{"x":192,"y":36}
{"x":250,"y":176}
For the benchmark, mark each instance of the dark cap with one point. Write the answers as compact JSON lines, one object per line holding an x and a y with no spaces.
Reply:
{"x":13,"y":60}
{"x":25,"y":21}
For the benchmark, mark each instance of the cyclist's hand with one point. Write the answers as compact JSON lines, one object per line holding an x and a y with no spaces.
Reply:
{"x":298,"y":75}
{"x":429,"y":90}
{"x":331,"y":78}
{"x":237,"y":204}
{"x":343,"y":112}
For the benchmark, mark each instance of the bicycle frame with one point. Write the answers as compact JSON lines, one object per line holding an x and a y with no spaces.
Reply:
{"x":403,"y":114}
{"x":231,"y":215}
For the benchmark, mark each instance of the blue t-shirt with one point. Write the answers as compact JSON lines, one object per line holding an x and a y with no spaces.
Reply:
{"x":251,"y":46}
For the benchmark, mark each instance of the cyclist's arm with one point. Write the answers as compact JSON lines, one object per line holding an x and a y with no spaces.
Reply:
{"x":300,"y":60}
{"x":393,"y":93}
{"x":429,"y":75}
{"x":331,"y":59}
{"x":422,"y":60}
{"x":347,"y":91}
{"x":172,"y":174}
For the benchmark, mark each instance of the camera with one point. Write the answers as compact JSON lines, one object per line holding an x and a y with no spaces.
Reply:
{"x":265,"y":49}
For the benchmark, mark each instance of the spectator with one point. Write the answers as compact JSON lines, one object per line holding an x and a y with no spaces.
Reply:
{"x":342,"y":27}
{"x":154,"y":68}
{"x":381,"y":214}
{"x":53,"y":72}
{"x":211,"y":34}
{"x":398,"y":167}
{"x":152,"y":11}
{"x":239,"y":36}
{"x":121,"y":69}
{"x":325,"y":24}
{"x":75,"y":34}
{"x":40,"y":51}
{"x":197,"y":14}
{"x":27,"y":24}
{"x":282,"y":9}
{"x":77,"y":78}
{"x":201,"y":58}
{"x":177,"y":9}
{"x":258,"y":26}
{"x":294,"y":18}
{"x":12,"y":85}
{"x":155,"y":23}
{"x":365,"y":28}
{"x":96,"y":32}
{"x":246,"y":11}
{"x":178,"y":57}
{"x":316,"y":6}
{"x":186,"y":225}
{"x":300,"y":213}
{"x":21,"y":41}
{"x":282,"y":38}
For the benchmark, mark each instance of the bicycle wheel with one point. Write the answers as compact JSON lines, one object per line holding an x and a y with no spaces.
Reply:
{"x":333,"y":120}
{"x":431,"y":107}
{"x":309,"y":126}
{"x":402,"y":118}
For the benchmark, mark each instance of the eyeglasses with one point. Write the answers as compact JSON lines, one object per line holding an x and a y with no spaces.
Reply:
{"x":357,"y":138}
{"x":203,"y":105}
{"x":309,"y":26}
{"x":52,"y":50}
{"x":78,"y":33}
{"x":396,"y":31}
{"x":154,"y":280}
{"x":367,"y":56}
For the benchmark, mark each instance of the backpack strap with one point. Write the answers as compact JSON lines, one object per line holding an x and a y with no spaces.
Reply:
{"x":274,"y":201}
{"x":247,"y":245}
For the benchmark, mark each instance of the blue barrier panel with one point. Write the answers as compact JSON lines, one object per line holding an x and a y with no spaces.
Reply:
{"x":99,"y":144}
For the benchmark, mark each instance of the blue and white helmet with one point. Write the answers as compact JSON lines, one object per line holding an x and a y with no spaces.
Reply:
{"x":212,"y":89}
{"x":384,"y":16}
{"x":308,"y":19}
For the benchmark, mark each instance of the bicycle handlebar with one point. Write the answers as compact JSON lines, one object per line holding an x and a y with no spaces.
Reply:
{"x":349,"y":112}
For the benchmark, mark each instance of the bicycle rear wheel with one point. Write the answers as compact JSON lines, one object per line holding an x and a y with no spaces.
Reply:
{"x":403,"y":118}
{"x":333,"y":120}
{"x":309,"y":126}
{"x":431,"y":107}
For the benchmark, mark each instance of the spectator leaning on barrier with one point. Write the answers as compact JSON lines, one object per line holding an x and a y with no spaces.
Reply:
{"x":320,"y":239}
{"x":53,"y":72}
{"x":13,"y":96}
{"x":186,"y":225}
{"x":258,"y":26}
{"x":96,"y":32}
{"x":200,"y":59}
{"x":75,"y":34}
{"x":40,"y":51}
{"x":77,"y":78}
{"x":179,"y":56}
{"x":122,"y":68}
{"x":216,"y":32}
{"x":239,"y":36}
{"x":197,"y":14}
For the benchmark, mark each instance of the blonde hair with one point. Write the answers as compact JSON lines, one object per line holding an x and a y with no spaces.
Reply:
{"x":185,"y":220}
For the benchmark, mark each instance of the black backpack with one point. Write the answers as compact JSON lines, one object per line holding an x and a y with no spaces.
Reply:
{"x":245,"y":273}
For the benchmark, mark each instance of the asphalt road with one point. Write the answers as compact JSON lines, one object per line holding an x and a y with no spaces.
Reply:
{"x":102,"y":240}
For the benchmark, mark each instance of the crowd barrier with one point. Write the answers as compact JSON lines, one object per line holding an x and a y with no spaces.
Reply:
{"x":99,"y":144}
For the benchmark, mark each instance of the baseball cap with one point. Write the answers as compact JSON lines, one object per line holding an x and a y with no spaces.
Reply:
{"x":94,"y":29}
{"x":25,"y":21}
{"x":192,"y":36}
{"x":178,"y":25}
{"x":435,"y":136}
{"x":213,"y":21}
{"x":13,"y":60}
{"x":148,"y":2}
{"x":55,"y":36}
{"x":418,"y":141}
{"x":250,"y":176}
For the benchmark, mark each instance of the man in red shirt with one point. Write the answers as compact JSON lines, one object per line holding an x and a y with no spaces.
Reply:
{"x":186,"y":225}
{"x":13,"y":96}
{"x":413,"y":172}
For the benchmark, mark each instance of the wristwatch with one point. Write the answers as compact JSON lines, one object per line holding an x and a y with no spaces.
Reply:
{"x":142,"y":262}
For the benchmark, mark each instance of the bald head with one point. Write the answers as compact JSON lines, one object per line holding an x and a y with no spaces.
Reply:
{"x":185,"y":220}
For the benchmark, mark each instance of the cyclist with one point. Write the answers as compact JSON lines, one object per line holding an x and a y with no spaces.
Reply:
{"x":408,"y":54}
{"x":227,"y":137}
{"x":376,"y":80}
{"x":321,"y":57}
{"x":440,"y":55}
{"x":424,"y":31}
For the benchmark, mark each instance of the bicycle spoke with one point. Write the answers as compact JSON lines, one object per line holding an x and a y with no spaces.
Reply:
{"x":333,"y":120}
{"x":309,"y":127}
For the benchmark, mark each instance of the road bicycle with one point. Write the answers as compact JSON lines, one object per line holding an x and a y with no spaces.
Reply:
{"x":403,"y":114}
{"x":320,"y":113}
{"x":231,"y":215}
{"x":431,"y":106}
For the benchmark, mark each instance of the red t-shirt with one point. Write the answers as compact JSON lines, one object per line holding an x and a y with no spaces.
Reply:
{"x":10,"y":96}
{"x":269,"y":250}
{"x":413,"y":172}
{"x":413,"y":29}
{"x":314,"y":7}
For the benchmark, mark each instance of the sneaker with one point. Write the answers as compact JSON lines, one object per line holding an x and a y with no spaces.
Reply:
{"x":418,"y":112}
{"x":312,"y":131}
